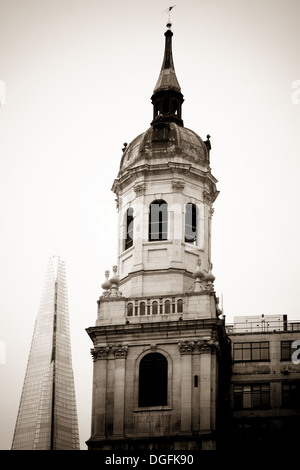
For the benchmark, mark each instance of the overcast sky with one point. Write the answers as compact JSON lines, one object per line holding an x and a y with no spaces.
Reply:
{"x":76,"y":77}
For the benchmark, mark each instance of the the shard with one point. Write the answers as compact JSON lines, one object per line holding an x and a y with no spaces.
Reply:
{"x":47,"y":416}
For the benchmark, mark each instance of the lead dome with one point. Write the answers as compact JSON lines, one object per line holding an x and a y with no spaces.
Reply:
{"x":167,"y":143}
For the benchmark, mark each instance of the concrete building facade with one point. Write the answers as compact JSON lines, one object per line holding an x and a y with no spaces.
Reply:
{"x":265,"y":382}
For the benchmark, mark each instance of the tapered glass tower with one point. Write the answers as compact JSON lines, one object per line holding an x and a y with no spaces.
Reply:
{"x":47,"y":417}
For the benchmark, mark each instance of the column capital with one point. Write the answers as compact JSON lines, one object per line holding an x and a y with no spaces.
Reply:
{"x":208,"y":346}
{"x":120,"y":351}
{"x":100,"y":352}
{"x":186,"y":347}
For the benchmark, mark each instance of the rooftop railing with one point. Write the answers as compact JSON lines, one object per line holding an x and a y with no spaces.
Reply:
{"x":263,"y":326}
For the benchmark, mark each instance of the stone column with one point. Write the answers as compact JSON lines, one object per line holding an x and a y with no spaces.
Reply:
{"x":120,"y":353}
{"x":100,"y":355}
{"x":186,"y":349}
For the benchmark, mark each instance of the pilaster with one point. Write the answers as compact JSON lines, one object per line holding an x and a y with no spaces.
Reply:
{"x":120,"y":354}
{"x":186,"y":350}
{"x":100,"y":356}
{"x":207,"y":351}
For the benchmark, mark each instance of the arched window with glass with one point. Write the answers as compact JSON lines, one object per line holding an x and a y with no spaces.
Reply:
{"x":179,"y":306}
{"x":190,"y":227}
{"x":129,"y":229}
{"x":142,"y":308}
{"x":130,"y":310}
{"x":167,"y":306}
{"x":154,"y":307}
{"x":158,"y":220}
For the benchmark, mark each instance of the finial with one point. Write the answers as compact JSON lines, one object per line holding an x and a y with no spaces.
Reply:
{"x":106,"y":284}
{"x":207,"y":142}
{"x":114,"y":281}
{"x":198,"y":274}
{"x":210,"y":277}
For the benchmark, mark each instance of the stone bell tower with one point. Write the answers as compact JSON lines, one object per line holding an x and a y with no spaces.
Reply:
{"x":160,"y":351}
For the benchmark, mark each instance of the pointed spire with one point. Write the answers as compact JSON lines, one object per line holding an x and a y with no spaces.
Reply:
{"x":167,"y":98}
{"x":167,"y":79}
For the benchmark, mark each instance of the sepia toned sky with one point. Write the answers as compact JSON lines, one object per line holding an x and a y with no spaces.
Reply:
{"x":76,"y":77}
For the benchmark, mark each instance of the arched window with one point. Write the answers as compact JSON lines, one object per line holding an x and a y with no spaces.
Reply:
{"x":154,"y":307}
{"x":167,"y":306}
{"x":179,"y":306}
{"x":165,"y":105}
{"x":142,"y":308}
{"x":191,"y":223}
{"x":130,"y":310}
{"x":129,"y":229}
{"x":175,"y":106}
{"x":158,"y":220}
{"x":153,"y":380}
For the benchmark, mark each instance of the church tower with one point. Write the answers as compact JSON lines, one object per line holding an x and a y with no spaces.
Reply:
{"x":161,"y":355}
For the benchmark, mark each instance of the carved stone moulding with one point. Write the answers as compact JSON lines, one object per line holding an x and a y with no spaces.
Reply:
{"x":198,"y":346}
{"x":186,"y":347}
{"x":139,"y":189}
{"x":208,"y":346}
{"x":100,"y":352}
{"x":120,"y":351}
{"x":178,"y":185}
{"x":105,"y":352}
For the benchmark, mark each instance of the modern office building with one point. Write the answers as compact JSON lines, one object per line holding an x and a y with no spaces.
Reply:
{"x":265,"y":382}
{"x":47,"y":416}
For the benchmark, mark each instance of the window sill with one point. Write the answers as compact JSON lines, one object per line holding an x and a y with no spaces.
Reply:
{"x":125,"y":252}
{"x":160,"y":242}
{"x":240,"y":361}
{"x":152,"y":408}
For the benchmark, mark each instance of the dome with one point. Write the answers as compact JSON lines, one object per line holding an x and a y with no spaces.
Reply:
{"x":169,"y":142}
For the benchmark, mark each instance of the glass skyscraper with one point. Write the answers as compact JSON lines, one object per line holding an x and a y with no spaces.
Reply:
{"x":47,"y":416}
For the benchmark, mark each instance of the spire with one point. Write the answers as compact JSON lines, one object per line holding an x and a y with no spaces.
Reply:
{"x":167,"y":79}
{"x":167,"y":98}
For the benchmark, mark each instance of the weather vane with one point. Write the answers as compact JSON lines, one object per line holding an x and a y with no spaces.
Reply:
{"x":168,"y":10}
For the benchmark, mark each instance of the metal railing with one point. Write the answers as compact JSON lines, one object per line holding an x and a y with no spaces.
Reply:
{"x":263,"y":326}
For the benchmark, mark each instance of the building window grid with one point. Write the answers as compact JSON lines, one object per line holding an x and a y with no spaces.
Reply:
{"x":251,"y":351}
{"x":251,"y":396}
{"x":290,"y":395}
{"x":286,"y":350}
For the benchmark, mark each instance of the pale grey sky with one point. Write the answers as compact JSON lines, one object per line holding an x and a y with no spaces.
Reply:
{"x":77,"y":77}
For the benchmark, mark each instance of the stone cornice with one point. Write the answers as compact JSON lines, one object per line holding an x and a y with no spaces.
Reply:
{"x":130,"y":330}
{"x":156,"y":271}
{"x":131,"y":174}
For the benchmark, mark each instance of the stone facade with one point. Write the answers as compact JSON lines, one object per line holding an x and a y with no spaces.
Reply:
{"x":160,"y":350}
{"x":195,"y":351}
